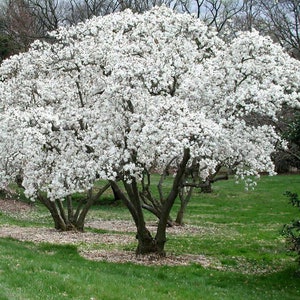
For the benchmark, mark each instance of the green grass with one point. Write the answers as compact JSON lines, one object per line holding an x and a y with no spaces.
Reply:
{"x":29,"y":271}
{"x":239,"y":232}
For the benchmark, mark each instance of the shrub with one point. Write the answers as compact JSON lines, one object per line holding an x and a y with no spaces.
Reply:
{"x":292,"y":230}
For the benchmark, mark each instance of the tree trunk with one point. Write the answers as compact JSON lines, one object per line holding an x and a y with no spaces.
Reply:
{"x":146,"y":243}
{"x":116,"y":195}
{"x":149,"y":202}
{"x":184,"y":200}
{"x":59,"y":223}
{"x":81,"y":218}
{"x":168,"y":204}
{"x":207,"y":187}
{"x":157,"y":213}
{"x":64,"y":218}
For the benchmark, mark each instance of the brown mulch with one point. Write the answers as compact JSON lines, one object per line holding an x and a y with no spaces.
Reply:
{"x":118,"y":256}
{"x":49,"y":235}
{"x":118,"y":237}
{"x":129,"y":226}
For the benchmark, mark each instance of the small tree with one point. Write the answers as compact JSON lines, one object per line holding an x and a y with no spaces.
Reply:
{"x":120,"y":96}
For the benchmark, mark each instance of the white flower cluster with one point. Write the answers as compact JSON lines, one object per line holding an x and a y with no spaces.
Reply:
{"x":127,"y":92}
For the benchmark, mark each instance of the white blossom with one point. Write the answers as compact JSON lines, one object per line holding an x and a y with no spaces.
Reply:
{"x":127,"y":92}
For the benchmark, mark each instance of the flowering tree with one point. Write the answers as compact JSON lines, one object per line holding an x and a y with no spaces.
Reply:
{"x":122,"y":96}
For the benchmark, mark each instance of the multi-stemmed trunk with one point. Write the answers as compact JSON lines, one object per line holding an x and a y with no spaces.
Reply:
{"x":146,"y":242}
{"x":66,"y":217}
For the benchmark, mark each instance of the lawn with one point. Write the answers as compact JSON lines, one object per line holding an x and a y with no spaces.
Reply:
{"x":238,"y":231}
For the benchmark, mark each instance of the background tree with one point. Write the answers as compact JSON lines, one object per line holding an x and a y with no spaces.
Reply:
{"x":215,"y":13}
{"x":18,"y":23}
{"x":81,"y":10}
{"x":282,"y":20}
{"x":49,"y":14}
{"x":27,"y":20}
